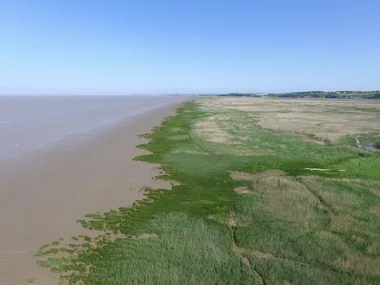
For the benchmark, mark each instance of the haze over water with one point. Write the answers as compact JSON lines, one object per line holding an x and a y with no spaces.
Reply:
{"x":29,"y":123}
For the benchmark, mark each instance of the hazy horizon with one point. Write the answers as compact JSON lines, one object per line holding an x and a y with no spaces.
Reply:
{"x":176,"y":94}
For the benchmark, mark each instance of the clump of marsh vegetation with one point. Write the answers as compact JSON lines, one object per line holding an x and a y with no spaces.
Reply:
{"x":377,"y":144}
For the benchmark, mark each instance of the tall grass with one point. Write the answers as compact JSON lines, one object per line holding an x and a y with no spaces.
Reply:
{"x":319,"y":229}
{"x":186,"y":251}
{"x":286,"y":228}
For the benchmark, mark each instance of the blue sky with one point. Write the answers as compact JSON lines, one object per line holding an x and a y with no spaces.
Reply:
{"x":138,"y":47}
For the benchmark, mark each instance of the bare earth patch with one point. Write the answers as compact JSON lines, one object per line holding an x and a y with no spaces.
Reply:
{"x":241,"y":175}
{"x":146,"y":236}
{"x":241,"y":190}
{"x":238,"y":175}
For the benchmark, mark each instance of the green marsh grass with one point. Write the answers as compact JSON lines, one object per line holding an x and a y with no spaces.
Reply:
{"x":290,"y":226}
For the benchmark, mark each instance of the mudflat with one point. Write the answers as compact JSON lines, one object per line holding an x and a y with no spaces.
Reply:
{"x":42,"y":196}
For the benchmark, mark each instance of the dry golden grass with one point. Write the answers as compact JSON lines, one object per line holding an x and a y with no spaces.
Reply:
{"x":342,"y":223}
{"x":307,"y":202}
{"x":345,"y":201}
{"x":375,"y":210}
{"x":360,"y":264}
{"x":330,"y":127}
{"x":351,"y":260}
{"x":297,"y":200}
{"x":210,"y":130}
{"x":287,"y":197}
{"x":326,"y":119}
{"x":339,"y":200}
{"x":349,"y":209}
{"x":282,"y":195}
{"x":375,"y":191}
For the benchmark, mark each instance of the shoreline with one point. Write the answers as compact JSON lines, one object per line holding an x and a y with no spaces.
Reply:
{"x":43,"y":197}
{"x":226,"y":220}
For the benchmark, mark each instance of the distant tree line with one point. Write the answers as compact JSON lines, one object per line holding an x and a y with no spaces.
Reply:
{"x":314,"y":94}
{"x":375,"y":96}
{"x":241,"y":95}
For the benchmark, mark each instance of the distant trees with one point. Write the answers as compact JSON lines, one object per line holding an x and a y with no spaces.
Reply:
{"x":314,"y":94}
{"x":375,"y":96}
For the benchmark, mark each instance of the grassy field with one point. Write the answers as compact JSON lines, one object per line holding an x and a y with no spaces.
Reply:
{"x":257,"y":201}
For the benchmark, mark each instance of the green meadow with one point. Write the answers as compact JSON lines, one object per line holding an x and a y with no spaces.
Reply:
{"x":250,"y":205}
